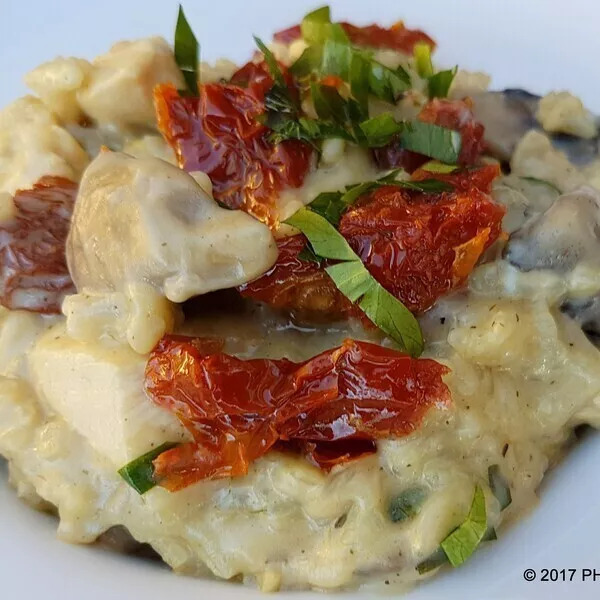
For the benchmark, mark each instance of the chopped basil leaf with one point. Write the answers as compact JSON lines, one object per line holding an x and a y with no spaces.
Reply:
{"x":422,"y":55}
{"x":393,"y":318}
{"x":328,"y":103}
{"x":542,"y":182}
{"x":282,"y":109}
{"x":315,"y":25}
{"x":440,"y":83}
{"x":499,"y":486}
{"x":304,"y":129}
{"x":329,"y":205}
{"x":325,"y":240}
{"x":139,"y":473}
{"x":351,"y":278}
{"x":463,"y":541}
{"x":427,"y":186}
{"x":407,"y":504}
{"x":434,"y":166}
{"x":272,"y":63}
{"x":439,"y":558}
{"x":379,"y":131}
{"x":360,"y":69}
{"x":307,"y":255}
{"x":186,"y":52}
{"x":336,"y":59}
{"x":278,"y":100}
{"x":308,"y":61}
{"x":354,"y":192}
{"x":433,"y":561}
{"x":387,"y":84}
{"x":354,"y":281}
{"x":432,"y":140}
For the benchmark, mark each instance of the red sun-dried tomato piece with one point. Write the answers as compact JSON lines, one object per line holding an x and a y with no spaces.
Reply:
{"x":452,"y":114}
{"x":418,"y":246}
{"x":397,"y":37}
{"x":299,"y":286}
{"x":34,"y":274}
{"x":421,"y":246}
{"x":237,"y":410}
{"x":217,"y":132}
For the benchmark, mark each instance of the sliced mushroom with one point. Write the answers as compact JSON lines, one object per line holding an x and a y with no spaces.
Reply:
{"x":586,"y":312}
{"x":509,"y":114}
{"x":566,"y":235}
{"x":146,"y":221}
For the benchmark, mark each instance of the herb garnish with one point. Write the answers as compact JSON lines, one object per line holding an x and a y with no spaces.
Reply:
{"x":186,"y":51}
{"x":460,"y":544}
{"x":432,"y":140}
{"x":330,"y":52}
{"x":439,"y":83}
{"x":314,"y":26}
{"x":407,"y":504}
{"x":139,"y":473}
{"x":434,"y":166}
{"x":357,"y":284}
{"x":422,"y":56}
{"x":463,"y":541}
{"x":345,"y":113}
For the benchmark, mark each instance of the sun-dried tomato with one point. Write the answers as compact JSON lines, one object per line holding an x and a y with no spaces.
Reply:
{"x":218,"y":133}
{"x":397,"y":37}
{"x":34,"y":274}
{"x":421,"y":246}
{"x":299,"y":286}
{"x":418,"y":246}
{"x":237,"y":410}
{"x":452,"y":114}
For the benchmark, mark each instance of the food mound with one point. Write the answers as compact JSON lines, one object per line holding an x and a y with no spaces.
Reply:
{"x":322,"y":320}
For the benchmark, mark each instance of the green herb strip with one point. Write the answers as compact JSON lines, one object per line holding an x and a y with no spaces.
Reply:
{"x":433,"y":561}
{"x":422,"y":56}
{"x":463,"y":541}
{"x":434,"y":166}
{"x":272,"y":63}
{"x":439,"y":84}
{"x":315,"y":25}
{"x":307,"y":255}
{"x":432,"y":140}
{"x":186,"y":51}
{"x":379,"y":130}
{"x":139,"y":473}
{"x":357,"y":284}
{"x":407,"y":504}
{"x":324,"y":238}
{"x":499,"y":486}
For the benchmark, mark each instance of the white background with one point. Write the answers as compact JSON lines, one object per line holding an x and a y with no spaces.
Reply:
{"x":541,"y":45}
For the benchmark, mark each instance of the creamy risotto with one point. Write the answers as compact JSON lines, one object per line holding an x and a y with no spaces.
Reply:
{"x":320,"y":321}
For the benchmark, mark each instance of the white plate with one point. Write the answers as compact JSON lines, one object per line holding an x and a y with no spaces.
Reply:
{"x":537,"y":44}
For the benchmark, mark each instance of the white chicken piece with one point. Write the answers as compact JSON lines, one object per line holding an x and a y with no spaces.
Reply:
{"x":33,"y":144}
{"x":118,"y":89}
{"x":99,"y":391}
{"x":144,"y":220}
